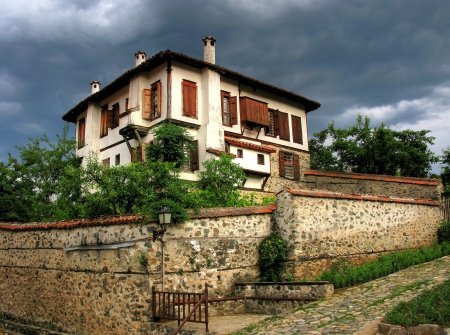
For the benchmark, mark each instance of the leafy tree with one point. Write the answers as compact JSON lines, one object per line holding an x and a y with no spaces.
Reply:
{"x":29,"y":186}
{"x":220,"y":181}
{"x":381,"y":150}
{"x":445,"y":173}
{"x":273,"y":253}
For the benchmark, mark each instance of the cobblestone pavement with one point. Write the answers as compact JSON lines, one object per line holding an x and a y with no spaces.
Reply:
{"x":357,"y":310}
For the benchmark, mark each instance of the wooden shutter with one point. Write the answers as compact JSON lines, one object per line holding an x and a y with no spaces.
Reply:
{"x":296,"y":167}
{"x":281,"y":159}
{"x":155,"y":87}
{"x":276,"y":123}
{"x":109,"y":118}
{"x":283,"y":125}
{"x":297,"y":129}
{"x":81,"y":132}
{"x":233,"y":110}
{"x":146,"y":104}
{"x":189,"y":99}
{"x":194,"y":156}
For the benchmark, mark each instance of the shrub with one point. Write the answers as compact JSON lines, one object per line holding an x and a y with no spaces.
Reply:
{"x":443,"y":232}
{"x":273,"y":253}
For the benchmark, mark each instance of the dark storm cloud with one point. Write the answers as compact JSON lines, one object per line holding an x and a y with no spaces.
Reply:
{"x":386,"y":59}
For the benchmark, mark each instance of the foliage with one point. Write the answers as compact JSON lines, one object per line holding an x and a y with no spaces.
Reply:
{"x":142,"y":258}
{"x":29,"y":186}
{"x":430,"y":307}
{"x":445,"y":173}
{"x":273,"y":253}
{"x":343,"y":274}
{"x":381,"y":150}
{"x":443,"y":232}
{"x":171,"y":144}
{"x":220,"y":181}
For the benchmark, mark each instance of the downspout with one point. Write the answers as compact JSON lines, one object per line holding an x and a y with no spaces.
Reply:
{"x":169,"y":89}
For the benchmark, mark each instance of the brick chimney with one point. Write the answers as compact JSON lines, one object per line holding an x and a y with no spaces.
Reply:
{"x":140,"y":57}
{"x":209,"y":49}
{"x":95,"y":86}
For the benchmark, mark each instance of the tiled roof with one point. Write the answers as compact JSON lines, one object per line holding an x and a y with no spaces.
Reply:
{"x":164,"y":56}
{"x":218,"y":152}
{"x":132,"y":219}
{"x":384,"y":178}
{"x":243,"y":144}
{"x":338,"y":195}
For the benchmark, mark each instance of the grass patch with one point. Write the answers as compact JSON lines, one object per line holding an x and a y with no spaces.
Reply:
{"x":430,"y":307}
{"x":344,"y":274}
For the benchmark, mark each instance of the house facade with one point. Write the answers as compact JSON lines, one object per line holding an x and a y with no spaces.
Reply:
{"x":263,"y":126}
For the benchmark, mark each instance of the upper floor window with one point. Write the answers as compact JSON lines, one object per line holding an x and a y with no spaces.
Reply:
{"x":152,"y":102}
{"x":191,"y":162}
{"x":270,"y":130}
{"x":117,"y":161}
{"x":240,"y":153}
{"x":189,"y":92}
{"x":297,"y":134}
{"x":104,"y":121}
{"x":106,"y":162}
{"x":260,"y":159}
{"x":81,"y":132}
{"x":229,"y":109}
{"x":114,"y":116}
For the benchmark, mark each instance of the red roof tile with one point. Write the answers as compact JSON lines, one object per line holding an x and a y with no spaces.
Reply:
{"x":256,"y":147}
{"x":384,"y":178}
{"x":338,"y":195}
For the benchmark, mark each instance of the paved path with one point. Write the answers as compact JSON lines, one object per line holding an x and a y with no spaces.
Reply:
{"x":358,"y":309}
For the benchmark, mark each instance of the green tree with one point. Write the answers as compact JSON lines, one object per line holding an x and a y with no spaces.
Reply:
{"x":30,"y":185}
{"x":220,"y":181}
{"x":381,"y":150}
{"x":445,"y":173}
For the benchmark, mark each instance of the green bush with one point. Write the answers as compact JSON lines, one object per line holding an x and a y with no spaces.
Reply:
{"x":342,"y":274}
{"x":443,"y":232}
{"x":273,"y":253}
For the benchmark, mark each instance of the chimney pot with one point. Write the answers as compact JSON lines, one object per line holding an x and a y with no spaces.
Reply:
{"x":140,"y":57}
{"x":209,"y":49}
{"x":95,"y":86}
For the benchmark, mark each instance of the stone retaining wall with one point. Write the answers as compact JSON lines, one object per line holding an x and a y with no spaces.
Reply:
{"x":323,"y":227}
{"x":90,"y":277}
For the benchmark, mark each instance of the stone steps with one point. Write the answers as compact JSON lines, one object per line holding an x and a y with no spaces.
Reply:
{"x":8,"y":327}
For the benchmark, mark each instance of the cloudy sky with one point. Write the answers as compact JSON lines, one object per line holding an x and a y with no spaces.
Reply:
{"x":389,"y":60}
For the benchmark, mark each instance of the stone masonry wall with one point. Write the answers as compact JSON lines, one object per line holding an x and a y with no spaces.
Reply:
{"x":323,"y":227}
{"x":107,"y":289}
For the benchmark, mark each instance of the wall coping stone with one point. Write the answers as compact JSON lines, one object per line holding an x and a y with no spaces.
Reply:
{"x":338,"y":195}
{"x":132,"y":219}
{"x":287,"y":283}
{"x":384,"y":178}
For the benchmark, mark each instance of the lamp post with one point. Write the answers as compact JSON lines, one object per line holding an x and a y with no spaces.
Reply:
{"x":165,"y":217}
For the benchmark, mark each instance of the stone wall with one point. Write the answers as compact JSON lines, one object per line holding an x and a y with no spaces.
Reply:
{"x":90,"y":277}
{"x":357,"y":183}
{"x":322,"y":227}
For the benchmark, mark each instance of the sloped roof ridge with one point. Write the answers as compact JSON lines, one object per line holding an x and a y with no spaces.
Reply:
{"x":244,"y":143}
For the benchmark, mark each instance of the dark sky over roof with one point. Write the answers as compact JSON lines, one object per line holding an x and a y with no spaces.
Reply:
{"x":389,"y":60}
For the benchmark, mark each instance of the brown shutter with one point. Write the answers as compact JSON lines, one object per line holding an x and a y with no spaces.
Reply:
{"x":233,"y":110}
{"x":158,"y":87}
{"x":297,"y":129}
{"x":194,"y":156}
{"x":146,"y":104}
{"x":189,"y":99}
{"x":283,"y":126}
{"x":296,"y":167}
{"x":109,"y":118}
{"x":276,"y":123}
{"x":281,"y":159}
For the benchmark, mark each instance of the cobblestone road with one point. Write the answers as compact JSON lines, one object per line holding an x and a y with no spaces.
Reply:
{"x":358,"y":309}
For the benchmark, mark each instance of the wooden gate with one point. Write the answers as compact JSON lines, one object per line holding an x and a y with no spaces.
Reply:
{"x":181,"y":306}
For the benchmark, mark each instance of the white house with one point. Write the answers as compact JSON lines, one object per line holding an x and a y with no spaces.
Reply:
{"x":263,"y":126}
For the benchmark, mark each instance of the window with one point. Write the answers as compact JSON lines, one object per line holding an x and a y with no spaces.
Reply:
{"x":240,"y":153}
{"x":289,"y":165}
{"x":136,"y":154}
{"x":270,"y":130}
{"x":297,"y":134}
{"x":104,"y":121}
{"x":151,"y":106}
{"x":189,"y":90}
{"x":283,"y":126}
{"x":117,"y":162}
{"x":260,"y":159}
{"x":106,"y":162}
{"x":81,"y":132}
{"x":191,"y":164}
{"x":126,"y":105}
{"x":229,"y":109}
{"x":114,"y":116}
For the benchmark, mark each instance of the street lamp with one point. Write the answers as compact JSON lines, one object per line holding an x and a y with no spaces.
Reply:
{"x":165,"y":216}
